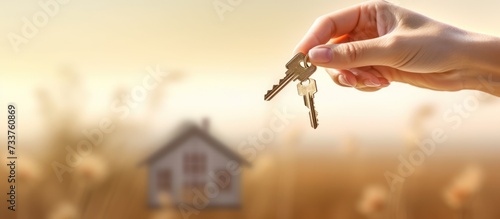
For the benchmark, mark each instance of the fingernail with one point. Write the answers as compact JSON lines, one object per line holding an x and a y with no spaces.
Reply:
{"x":320,"y":54}
{"x":384,"y":81}
{"x":344,"y":81}
{"x":352,"y":81}
{"x":372,"y":83}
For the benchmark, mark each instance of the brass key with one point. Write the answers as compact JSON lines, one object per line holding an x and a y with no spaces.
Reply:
{"x":298,"y":68}
{"x":307,"y":91}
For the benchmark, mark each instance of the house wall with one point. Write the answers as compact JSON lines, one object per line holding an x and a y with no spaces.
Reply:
{"x":215,"y":161}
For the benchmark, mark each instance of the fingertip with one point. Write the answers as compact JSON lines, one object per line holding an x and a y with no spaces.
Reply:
{"x":320,"y":54}
{"x":343,"y":80}
{"x":302,"y":47}
{"x":369,"y":89}
{"x":372,"y":82}
{"x":351,"y":79}
{"x":335,"y":75}
{"x":368,"y":79}
{"x":347,"y":79}
{"x":384,"y":82}
{"x":297,"y":50}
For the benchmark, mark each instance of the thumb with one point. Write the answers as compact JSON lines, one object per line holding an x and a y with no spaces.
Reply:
{"x":352,"y":54}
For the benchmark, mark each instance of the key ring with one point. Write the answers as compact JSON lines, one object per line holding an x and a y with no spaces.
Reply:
{"x":305,"y":82}
{"x":306,"y":60}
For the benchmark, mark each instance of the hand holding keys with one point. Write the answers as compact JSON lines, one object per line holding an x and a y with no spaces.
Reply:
{"x":298,"y":68}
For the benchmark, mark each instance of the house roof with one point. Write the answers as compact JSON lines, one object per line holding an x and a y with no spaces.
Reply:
{"x":189,"y":131}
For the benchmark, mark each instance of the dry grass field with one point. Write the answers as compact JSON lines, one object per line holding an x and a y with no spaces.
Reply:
{"x":276,"y":186}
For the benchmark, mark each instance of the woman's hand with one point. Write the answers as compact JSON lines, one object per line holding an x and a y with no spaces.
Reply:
{"x":369,"y":45}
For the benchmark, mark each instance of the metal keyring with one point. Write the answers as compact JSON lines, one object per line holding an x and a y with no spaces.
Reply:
{"x":303,"y":82}
{"x":306,"y":60}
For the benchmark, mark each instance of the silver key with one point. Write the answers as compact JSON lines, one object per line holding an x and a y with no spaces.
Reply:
{"x":307,"y":91}
{"x":298,"y":68}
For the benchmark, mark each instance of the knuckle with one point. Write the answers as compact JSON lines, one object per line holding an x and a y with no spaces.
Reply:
{"x":321,"y":20}
{"x":378,"y":3}
{"x":348,"y":53}
{"x":384,"y":7}
{"x":395,"y":42}
{"x":382,"y":3}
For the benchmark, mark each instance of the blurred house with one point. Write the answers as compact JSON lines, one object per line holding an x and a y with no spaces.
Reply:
{"x":195,"y":167}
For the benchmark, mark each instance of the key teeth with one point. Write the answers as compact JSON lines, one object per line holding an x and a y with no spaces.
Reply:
{"x":317,"y":120}
{"x":281,"y":84}
{"x":270,"y":91}
{"x":316,"y":123}
{"x":274,"y":87}
{"x":281,"y":81}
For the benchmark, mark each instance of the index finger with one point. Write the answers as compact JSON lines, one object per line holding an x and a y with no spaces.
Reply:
{"x":329,"y":26}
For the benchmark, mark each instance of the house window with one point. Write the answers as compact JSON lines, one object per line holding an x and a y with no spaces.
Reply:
{"x":195,"y":163}
{"x":195,"y":168}
{"x":164,"y":180}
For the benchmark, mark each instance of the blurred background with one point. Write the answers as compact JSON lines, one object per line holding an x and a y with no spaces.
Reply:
{"x":69,"y":65}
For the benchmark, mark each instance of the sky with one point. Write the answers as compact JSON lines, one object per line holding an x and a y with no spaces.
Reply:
{"x":229,"y":63}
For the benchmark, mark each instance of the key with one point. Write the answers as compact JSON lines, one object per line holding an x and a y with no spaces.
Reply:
{"x":298,"y":68}
{"x":307,"y":91}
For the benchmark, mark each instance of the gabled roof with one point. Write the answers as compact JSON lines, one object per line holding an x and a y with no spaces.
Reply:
{"x":188,"y":132}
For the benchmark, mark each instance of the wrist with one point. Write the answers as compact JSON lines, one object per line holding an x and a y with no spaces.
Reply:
{"x":481,"y":62}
